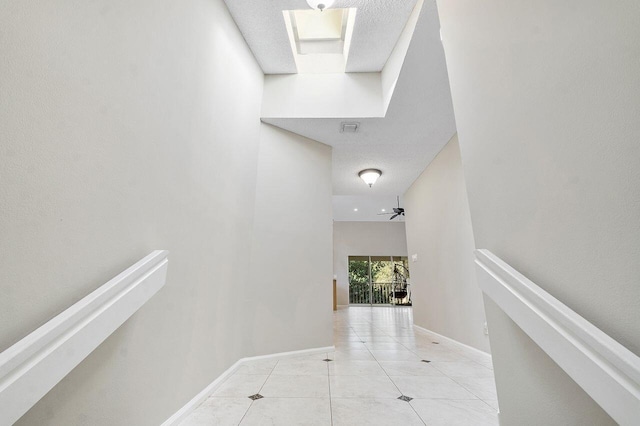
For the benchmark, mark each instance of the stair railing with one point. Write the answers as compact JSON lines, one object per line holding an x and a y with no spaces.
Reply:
{"x":605,"y":369}
{"x":34,"y":365}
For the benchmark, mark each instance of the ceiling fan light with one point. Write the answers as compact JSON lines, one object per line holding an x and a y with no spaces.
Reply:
{"x":370,"y":176}
{"x":320,"y":4}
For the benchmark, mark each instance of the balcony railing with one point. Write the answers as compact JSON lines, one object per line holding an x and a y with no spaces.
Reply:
{"x":377,"y":294}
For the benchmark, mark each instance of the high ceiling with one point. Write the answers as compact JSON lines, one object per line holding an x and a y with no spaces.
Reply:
{"x":377,"y":28}
{"x":419,"y":120}
{"x":365,"y":208}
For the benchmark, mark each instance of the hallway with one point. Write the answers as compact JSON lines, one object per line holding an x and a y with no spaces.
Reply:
{"x":379,"y":357}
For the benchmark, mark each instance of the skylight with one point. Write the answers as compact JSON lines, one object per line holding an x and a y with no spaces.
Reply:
{"x":320,"y":41}
{"x":314,"y":26}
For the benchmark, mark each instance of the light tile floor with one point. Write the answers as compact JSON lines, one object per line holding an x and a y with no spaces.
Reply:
{"x":379,"y":357}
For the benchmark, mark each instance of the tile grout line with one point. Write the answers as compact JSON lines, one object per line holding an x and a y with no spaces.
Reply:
{"x":453,"y":378}
{"x":330,"y":403}
{"x":416,"y":351}
{"x":269,"y":375}
{"x":470,"y":391}
{"x":435,"y":365}
{"x":457,"y":350}
{"x":252,"y":401}
{"x":245,"y":413}
{"x":394,"y":384}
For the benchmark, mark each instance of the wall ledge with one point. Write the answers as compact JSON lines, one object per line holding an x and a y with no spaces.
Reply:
{"x":606,"y":370}
{"x":34,"y":365}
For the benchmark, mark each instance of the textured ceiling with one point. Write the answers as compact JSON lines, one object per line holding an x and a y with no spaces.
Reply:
{"x":377,"y":28}
{"x":419,"y":122}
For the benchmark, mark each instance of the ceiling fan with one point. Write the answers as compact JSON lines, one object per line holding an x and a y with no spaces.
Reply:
{"x":397,"y":211}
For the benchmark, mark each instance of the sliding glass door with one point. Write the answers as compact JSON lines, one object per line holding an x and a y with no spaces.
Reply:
{"x":359,"y":280}
{"x":379,"y":280}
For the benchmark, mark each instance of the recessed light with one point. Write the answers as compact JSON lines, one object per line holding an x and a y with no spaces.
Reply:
{"x":384,"y":210}
{"x":355,"y":210}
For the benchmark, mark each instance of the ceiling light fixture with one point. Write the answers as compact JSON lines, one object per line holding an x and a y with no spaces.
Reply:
{"x":320,"y":4}
{"x":370,"y":176}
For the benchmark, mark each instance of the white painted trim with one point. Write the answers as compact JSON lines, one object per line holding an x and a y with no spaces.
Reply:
{"x":202,"y":396}
{"x":34,"y":365}
{"x":291,"y":354}
{"x":455,"y":342}
{"x":605,"y":369}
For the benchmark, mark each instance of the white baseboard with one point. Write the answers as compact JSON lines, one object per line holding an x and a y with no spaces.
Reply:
{"x":182,"y":413}
{"x":190,"y":406}
{"x":292,"y":354}
{"x":455,"y":342}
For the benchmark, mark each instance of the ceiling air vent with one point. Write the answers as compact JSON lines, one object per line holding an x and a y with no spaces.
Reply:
{"x":349,"y":127}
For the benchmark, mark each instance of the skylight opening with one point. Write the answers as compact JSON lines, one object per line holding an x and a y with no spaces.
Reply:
{"x":320,"y":41}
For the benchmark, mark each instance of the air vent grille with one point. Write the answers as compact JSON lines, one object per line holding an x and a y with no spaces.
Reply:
{"x":349,"y":127}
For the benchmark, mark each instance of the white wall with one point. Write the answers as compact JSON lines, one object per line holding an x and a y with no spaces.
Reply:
{"x":446,"y":297}
{"x":363,"y":239}
{"x":290,"y":284}
{"x":391,"y":71}
{"x":546,"y":102}
{"x":127,"y":127}
{"x":323,"y":95}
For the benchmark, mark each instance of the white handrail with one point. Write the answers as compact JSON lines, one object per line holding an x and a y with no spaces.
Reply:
{"x":35,"y":364}
{"x":605,"y":369}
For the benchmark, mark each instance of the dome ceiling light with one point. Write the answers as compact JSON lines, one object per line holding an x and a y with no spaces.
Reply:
{"x":320,"y":4}
{"x":370,"y":176}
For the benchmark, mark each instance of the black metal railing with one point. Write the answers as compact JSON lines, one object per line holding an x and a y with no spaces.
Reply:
{"x":378,"y":294}
{"x":359,"y":293}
